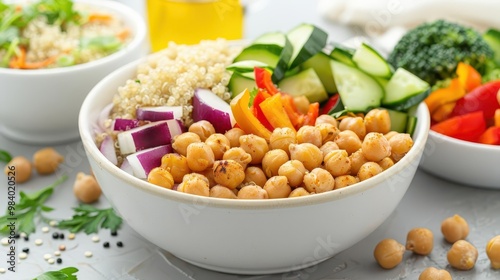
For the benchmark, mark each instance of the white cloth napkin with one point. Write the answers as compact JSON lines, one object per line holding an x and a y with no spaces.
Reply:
{"x":385,"y":21}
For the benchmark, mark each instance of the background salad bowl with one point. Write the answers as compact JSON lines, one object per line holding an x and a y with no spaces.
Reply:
{"x":41,"y":106}
{"x":246,"y":236}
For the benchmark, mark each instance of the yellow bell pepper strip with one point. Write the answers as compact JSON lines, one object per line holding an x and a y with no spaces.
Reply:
{"x":257,"y":111}
{"x":295,"y":117}
{"x":263,"y":80}
{"x":442,"y":96}
{"x":275,"y":113}
{"x":245,"y":118}
{"x":468,"y":76}
{"x":312,"y":114}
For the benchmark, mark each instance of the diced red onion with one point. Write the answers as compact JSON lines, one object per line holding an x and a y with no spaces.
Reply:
{"x":144,"y":161}
{"x":127,"y":167}
{"x":159,"y":113}
{"x":108,"y":149}
{"x":210,"y":107}
{"x":125,"y":124}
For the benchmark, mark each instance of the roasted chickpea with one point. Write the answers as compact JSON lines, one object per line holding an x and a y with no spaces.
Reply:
{"x":219,"y":144}
{"x":222,"y":192}
{"x":377,"y":120}
{"x":252,"y":191}
{"x":239,"y":155}
{"x":294,"y":171}
{"x":310,"y":155}
{"x":277,"y":187}
{"x":375,"y":147}
{"x":272,"y":161}
{"x":354,"y":124}
{"x":309,"y":134}
{"x":389,"y":253}
{"x":255,"y":174}
{"x":254,"y":145}
{"x":194,"y":183}
{"x":281,"y":138}
{"x":493,"y":251}
{"x":233,"y":135}
{"x":318,"y":180}
{"x":454,"y":228}
{"x":22,"y":168}
{"x":203,"y":129}
{"x":209,"y":175}
{"x":299,"y":192}
{"x":326,"y":119}
{"x":328,"y":147}
{"x":386,"y":163}
{"x":400,"y":143}
{"x":199,"y":156}
{"x":328,"y":132}
{"x":420,"y":241}
{"x":301,"y":103}
{"x":349,"y":141}
{"x":181,"y":142}
{"x":228,"y":173}
{"x":161,"y":177}
{"x":357,"y":160}
{"x":345,"y":181}
{"x":462,"y":255}
{"x":47,"y":160}
{"x":389,"y":134}
{"x":432,"y":273}
{"x":86,"y":188}
{"x":368,"y":170}
{"x":338,"y":163}
{"x":176,"y":164}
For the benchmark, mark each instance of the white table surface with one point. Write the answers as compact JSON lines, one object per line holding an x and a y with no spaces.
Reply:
{"x":428,"y":201}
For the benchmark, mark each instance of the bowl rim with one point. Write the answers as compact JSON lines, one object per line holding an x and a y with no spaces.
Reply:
{"x":128,"y":15}
{"x":87,"y":138}
{"x":467,"y":144}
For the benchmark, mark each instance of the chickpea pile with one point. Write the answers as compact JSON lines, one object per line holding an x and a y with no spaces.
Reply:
{"x":462,"y":255}
{"x":45,"y":161}
{"x":330,"y":155}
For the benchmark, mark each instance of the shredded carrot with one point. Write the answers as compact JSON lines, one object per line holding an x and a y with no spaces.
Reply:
{"x":19,"y":60}
{"x":99,"y":17}
{"x":39,"y":64}
{"x":123,"y":34}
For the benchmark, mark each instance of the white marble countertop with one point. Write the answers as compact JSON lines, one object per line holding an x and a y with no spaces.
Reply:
{"x":428,"y":201}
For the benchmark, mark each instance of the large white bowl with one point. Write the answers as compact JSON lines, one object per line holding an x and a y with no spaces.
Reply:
{"x":246,"y":236}
{"x":41,"y":106}
{"x":462,"y":162}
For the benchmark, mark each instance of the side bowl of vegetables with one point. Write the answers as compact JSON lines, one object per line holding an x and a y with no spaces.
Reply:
{"x":246,"y":236}
{"x":41,"y":98}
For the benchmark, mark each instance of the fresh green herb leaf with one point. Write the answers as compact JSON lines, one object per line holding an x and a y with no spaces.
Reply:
{"x":104,"y":43}
{"x":90,"y":219}
{"x":5,"y":156}
{"x":253,"y":93}
{"x":63,"y":274}
{"x":28,"y":209}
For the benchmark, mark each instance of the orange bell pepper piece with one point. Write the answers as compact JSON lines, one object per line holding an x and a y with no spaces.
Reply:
{"x":496,"y":117}
{"x":468,"y":76}
{"x":245,"y":118}
{"x":491,"y":136}
{"x":295,"y":117}
{"x":257,"y":111}
{"x":312,"y":114}
{"x":443,"y":112}
{"x":275,"y":113}
{"x":442,"y":96}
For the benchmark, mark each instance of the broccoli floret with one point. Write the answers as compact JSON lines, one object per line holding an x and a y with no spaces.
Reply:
{"x":433,"y":50}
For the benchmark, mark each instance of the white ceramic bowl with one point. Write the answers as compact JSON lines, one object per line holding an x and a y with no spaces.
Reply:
{"x":41,"y":106}
{"x":462,"y":162}
{"x":246,"y":236}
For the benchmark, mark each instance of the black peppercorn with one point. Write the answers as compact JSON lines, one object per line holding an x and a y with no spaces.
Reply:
{"x":55,"y":235}
{"x":26,"y":250}
{"x":119,"y":244}
{"x":105,"y":244}
{"x":59,"y":260}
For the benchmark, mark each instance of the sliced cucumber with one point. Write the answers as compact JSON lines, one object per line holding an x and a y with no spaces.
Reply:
{"x":307,"y":40}
{"x":239,"y":82}
{"x":370,"y":61}
{"x":320,"y":62}
{"x":359,"y":91}
{"x":343,"y":55}
{"x":268,"y":54}
{"x":492,"y":38}
{"x":411,"y":125}
{"x":247,"y":66}
{"x":305,"y":83}
{"x":401,"y":89}
{"x":399,"y":120}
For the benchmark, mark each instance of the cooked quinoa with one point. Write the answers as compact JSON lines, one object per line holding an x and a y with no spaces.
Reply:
{"x":170,"y":77}
{"x":95,"y":34}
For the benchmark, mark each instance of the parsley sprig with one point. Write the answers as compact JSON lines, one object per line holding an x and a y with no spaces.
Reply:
{"x":89,"y":219}
{"x":5,"y":156}
{"x":29,"y":209}
{"x":63,"y":274}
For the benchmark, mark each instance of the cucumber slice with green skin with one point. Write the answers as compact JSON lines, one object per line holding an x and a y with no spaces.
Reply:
{"x":370,"y":61}
{"x":492,"y":38}
{"x":247,"y":66}
{"x":239,"y":82}
{"x":359,"y":91}
{"x":307,"y":40}
{"x":320,"y":62}
{"x":305,"y":83}
{"x":399,"y":120}
{"x":411,"y":125}
{"x":403,"y":90}
{"x":410,"y":102}
{"x":268,"y":54}
{"x":342,"y":55}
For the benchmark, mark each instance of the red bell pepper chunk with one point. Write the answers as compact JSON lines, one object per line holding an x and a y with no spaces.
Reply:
{"x":490,"y":136}
{"x":482,"y":98}
{"x":466,"y":127}
{"x":264,"y":81}
{"x":257,"y":111}
{"x":330,"y":104}
{"x":312,"y":114}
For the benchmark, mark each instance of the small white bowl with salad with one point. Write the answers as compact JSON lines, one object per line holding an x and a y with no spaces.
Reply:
{"x":141,"y":136}
{"x":51,"y":55}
